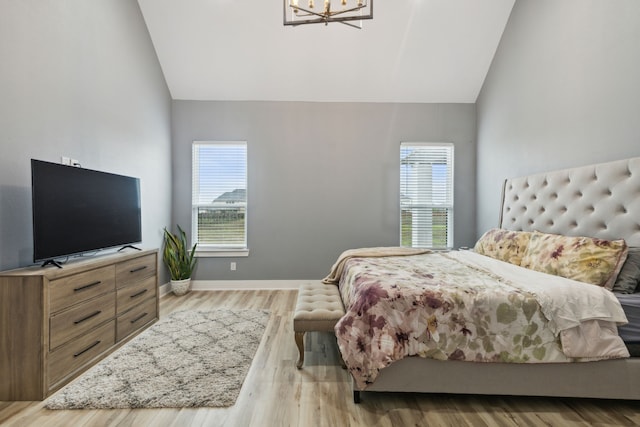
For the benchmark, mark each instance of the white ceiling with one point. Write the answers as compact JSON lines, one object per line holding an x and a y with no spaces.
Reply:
{"x":411,"y":51}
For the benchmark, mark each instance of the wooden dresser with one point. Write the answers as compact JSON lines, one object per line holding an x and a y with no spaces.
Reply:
{"x":56,"y":323}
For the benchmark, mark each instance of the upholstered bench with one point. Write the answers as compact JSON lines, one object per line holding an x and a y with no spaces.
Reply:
{"x":319,"y":307}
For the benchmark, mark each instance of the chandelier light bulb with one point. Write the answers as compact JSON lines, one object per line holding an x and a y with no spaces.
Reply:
{"x":311,"y":4}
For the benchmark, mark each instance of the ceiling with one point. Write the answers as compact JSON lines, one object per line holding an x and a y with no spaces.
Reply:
{"x":411,"y":51}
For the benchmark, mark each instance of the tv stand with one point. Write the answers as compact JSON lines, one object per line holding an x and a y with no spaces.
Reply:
{"x":129,"y":246}
{"x":57,"y":323}
{"x":52,"y":262}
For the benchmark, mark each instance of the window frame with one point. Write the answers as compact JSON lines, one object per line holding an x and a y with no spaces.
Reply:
{"x":213,"y":250}
{"x":449,"y":205}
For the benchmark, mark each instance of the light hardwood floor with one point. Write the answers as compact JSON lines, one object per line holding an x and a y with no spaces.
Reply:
{"x":275,"y":393}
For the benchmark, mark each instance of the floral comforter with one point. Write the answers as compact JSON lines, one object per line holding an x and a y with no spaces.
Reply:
{"x":465,"y":306}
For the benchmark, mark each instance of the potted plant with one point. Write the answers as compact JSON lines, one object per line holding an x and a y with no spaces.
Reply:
{"x":179,"y":259}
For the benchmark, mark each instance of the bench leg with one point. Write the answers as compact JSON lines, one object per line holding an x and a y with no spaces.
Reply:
{"x":300,"y":344}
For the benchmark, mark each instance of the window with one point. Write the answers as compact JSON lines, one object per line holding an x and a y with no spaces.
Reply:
{"x":426,"y":195}
{"x":219,"y":197}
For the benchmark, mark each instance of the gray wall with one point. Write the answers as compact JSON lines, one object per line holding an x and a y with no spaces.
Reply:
{"x":79,"y":79}
{"x":323,"y":177}
{"x":563,"y":90}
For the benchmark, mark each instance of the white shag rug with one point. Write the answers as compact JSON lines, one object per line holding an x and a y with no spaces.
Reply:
{"x":188,"y":359}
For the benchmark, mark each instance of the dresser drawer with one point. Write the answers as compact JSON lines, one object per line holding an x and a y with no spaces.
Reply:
{"x":75,"y":354}
{"x":72,"y":290}
{"x":136,"y":318}
{"x":71,"y":323}
{"x":135,"y":293}
{"x":135,"y":269}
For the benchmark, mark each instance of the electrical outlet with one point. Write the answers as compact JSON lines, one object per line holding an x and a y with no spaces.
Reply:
{"x":233,"y":266}
{"x":69,"y":161}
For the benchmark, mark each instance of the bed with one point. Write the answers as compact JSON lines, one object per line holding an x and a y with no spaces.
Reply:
{"x":599,"y":201}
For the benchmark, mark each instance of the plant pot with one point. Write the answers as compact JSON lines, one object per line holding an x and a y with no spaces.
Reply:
{"x":180,"y":287}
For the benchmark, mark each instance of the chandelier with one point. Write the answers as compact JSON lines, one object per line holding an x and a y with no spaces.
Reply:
{"x":298,"y":12}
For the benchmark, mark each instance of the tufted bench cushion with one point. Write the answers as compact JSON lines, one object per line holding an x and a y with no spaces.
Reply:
{"x":318,"y":308}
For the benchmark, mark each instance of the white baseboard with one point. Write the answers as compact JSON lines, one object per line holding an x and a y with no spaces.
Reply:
{"x":227,"y":285}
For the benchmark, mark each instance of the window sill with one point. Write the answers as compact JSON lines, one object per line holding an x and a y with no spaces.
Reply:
{"x":221,"y":253}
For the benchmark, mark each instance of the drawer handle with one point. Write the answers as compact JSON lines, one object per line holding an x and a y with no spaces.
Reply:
{"x":87,"y":349}
{"x":139,"y":293}
{"x":88,"y":317}
{"x":139,"y":317}
{"x":90,"y":285}
{"x":135,"y":270}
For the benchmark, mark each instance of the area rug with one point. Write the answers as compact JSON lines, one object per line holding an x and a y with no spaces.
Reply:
{"x":188,"y":359}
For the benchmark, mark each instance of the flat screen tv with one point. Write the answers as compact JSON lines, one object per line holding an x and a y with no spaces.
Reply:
{"x":77,"y":210}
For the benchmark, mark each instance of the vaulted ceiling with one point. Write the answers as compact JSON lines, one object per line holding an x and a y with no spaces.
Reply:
{"x":411,"y":51}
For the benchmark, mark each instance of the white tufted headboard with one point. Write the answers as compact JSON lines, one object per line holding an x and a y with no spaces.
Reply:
{"x":600,"y":201}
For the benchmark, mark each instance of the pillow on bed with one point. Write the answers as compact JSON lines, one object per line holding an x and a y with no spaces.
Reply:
{"x":627,"y":281}
{"x":505,"y":245}
{"x":585,"y":259}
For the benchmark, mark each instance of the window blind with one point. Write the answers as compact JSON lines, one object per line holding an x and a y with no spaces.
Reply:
{"x":219,"y":195}
{"x":426,"y":195}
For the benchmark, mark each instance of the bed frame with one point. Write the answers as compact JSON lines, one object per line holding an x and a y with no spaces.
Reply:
{"x":600,"y":201}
